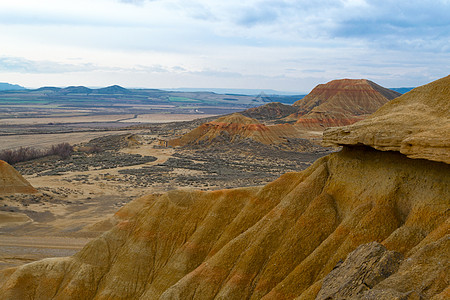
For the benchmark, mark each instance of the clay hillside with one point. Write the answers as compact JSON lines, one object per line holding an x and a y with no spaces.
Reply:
{"x":340,"y":102}
{"x":270,"y":112}
{"x":12,"y":182}
{"x":234,"y":128}
{"x":358,"y":224}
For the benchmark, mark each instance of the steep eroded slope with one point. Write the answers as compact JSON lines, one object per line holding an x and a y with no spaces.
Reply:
{"x":276,"y":241}
{"x":340,"y":102}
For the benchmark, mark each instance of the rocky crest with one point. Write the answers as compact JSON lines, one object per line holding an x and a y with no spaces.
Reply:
{"x":12,"y":182}
{"x":416,"y":124}
{"x":279,"y":241}
{"x":340,"y":102}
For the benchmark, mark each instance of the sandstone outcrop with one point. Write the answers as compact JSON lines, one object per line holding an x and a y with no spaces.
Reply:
{"x":236,"y":127}
{"x":416,"y":124}
{"x":278,"y":241}
{"x":12,"y":182}
{"x":340,"y":102}
{"x":364,"y":268}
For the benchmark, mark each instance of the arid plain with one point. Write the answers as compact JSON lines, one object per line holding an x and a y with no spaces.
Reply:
{"x":77,"y":197}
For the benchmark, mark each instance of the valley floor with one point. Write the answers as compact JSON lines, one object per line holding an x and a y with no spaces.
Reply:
{"x":77,"y":197}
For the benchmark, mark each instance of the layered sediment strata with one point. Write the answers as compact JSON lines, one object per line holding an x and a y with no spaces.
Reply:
{"x":416,"y":124}
{"x":270,"y":111}
{"x":340,"y":102}
{"x":236,"y":127}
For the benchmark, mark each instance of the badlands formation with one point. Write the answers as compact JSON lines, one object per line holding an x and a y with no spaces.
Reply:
{"x":340,"y":102}
{"x":12,"y":182}
{"x":416,"y":124}
{"x":270,"y":111}
{"x":337,"y":103}
{"x":358,"y":224}
{"x":234,"y":128}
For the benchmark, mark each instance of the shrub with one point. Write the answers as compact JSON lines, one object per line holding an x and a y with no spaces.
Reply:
{"x":63,"y":150}
{"x":91,"y":149}
{"x":21,"y":154}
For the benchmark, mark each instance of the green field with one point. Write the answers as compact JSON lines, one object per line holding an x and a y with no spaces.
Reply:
{"x":182,"y":99}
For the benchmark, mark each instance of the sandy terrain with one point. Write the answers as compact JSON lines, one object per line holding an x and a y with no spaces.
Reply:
{"x":66,"y":213}
{"x":78,"y":197}
{"x":164,"y":118}
{"x":66,"y":119}
{"x":47,"y":140}
{"x":17,"y":251}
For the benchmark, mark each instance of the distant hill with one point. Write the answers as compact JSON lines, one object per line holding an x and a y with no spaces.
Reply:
{"x":10,"y":87}
{"x":402,"y":90}
{"x":340,"y":102}
{"x":110,"y":90}
{"x":76,"y":90}
{"x":236,"y":128}
{"x":51,"y":89}
{"x":114,"y":89}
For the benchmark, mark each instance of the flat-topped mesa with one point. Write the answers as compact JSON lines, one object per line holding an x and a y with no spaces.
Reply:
{"x":416,"y":124}
{"x":340,"y":102}
{"x":235,"y":127}
{"x":11,"y":182}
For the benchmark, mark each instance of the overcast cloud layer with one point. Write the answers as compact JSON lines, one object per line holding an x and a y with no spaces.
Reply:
{"x":262,"y":44}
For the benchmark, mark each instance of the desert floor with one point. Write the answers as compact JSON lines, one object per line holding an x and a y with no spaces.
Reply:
{"x":66,"y":213}
{"x":77,"y":197}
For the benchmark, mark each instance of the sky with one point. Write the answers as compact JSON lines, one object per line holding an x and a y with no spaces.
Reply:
{"x":284,"y":45}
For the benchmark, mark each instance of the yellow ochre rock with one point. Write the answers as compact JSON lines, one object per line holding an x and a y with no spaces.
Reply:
{"x":12,"y":182}
{"x":272,"y":242}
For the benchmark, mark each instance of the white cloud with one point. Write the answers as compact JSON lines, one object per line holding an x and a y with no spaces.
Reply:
{"x":227,"y":43}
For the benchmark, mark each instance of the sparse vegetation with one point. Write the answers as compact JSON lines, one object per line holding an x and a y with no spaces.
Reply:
{"x":63,"y":150}
{"x":21,"y":154}
{"x":91,"y":149}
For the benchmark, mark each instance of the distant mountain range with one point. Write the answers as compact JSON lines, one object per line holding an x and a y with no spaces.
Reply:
{"x":10,"y":87}
{"x":116,"y":89}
